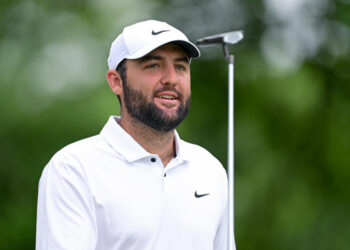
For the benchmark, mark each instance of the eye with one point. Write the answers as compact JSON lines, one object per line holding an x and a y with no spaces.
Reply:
{"x":152,"y":66}
{"x":181,"y":67}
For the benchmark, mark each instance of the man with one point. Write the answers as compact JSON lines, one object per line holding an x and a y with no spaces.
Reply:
{"x":137,"y":185}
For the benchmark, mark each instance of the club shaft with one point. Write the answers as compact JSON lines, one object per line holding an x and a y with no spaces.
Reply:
{"x":231,"y":238}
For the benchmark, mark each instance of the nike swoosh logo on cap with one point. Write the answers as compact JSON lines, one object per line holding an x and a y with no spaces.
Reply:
{"x":199,"y":195}
{"x":158,"y":32}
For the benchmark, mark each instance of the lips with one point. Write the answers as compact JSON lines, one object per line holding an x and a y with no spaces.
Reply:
{"x":167,"y":95}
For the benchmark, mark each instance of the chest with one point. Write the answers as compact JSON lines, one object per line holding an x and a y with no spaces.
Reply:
{"x":143,"y":202}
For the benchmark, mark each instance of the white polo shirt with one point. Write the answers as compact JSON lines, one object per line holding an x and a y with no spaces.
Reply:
{"x":107,"y":193}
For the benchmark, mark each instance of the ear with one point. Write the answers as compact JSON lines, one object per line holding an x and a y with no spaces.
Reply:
{"x":115,"y":82}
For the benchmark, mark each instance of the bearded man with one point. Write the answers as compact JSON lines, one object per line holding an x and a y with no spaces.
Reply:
{"x":137,"y":185}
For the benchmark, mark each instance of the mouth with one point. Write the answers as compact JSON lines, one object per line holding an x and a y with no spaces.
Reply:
{"x":167,"y":99}
{"x":167,"y":95}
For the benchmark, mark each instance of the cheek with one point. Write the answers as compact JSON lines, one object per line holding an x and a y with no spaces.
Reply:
{"x":186,"y":84}
{"x":187,"y":79}
{"x":144,"y":81}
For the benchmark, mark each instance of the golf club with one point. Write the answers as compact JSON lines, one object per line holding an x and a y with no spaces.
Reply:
{"x":226,"y":39}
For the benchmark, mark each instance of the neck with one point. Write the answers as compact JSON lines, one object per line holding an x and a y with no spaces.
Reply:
{"x":153,"y":141}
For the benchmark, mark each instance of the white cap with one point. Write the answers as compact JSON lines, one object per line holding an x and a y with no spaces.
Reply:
{"x":141,"y":38}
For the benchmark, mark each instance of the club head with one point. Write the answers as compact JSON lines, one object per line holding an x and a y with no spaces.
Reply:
{"x":231,"y":37}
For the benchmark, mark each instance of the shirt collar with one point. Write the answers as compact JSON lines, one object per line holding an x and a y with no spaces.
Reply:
{"x":126,"y":145}
{"x":180,"y":147}
{"x":121,"y":141}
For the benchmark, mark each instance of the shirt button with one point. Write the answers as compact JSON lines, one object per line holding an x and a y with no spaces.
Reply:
{"x":153,"y":159}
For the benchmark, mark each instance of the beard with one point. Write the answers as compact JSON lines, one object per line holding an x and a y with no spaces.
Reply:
{"x":149,"y":114}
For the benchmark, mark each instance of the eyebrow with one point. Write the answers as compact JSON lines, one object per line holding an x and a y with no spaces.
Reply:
{"x":147,"y":58}
{"x":183,"y":59}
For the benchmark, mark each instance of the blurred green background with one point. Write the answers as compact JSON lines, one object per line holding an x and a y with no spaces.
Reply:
{"x":292,"y":103}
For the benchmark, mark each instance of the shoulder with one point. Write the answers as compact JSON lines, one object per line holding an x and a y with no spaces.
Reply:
{"x":201,"y":156}
{"x":79,"y":148}
{"x":197,"y":153}
{"x":77,"y":155}
{"x":72,"y":162}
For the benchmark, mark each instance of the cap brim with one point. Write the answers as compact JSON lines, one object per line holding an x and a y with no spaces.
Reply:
{"x":191,"y":49}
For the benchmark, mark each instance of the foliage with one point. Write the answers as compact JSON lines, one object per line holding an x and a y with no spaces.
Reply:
{"x":292,"y":137}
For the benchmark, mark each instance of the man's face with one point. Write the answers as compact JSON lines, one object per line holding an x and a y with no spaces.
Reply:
{"x":157,"y":91}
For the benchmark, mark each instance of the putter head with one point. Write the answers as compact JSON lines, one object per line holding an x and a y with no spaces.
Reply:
{"x":231,"y":37}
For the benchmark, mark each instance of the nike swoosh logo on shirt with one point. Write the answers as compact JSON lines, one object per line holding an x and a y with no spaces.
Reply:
{"x":199,"y":195}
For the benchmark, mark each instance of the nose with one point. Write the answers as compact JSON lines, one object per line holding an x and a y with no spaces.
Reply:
{"x":169,"y":75}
